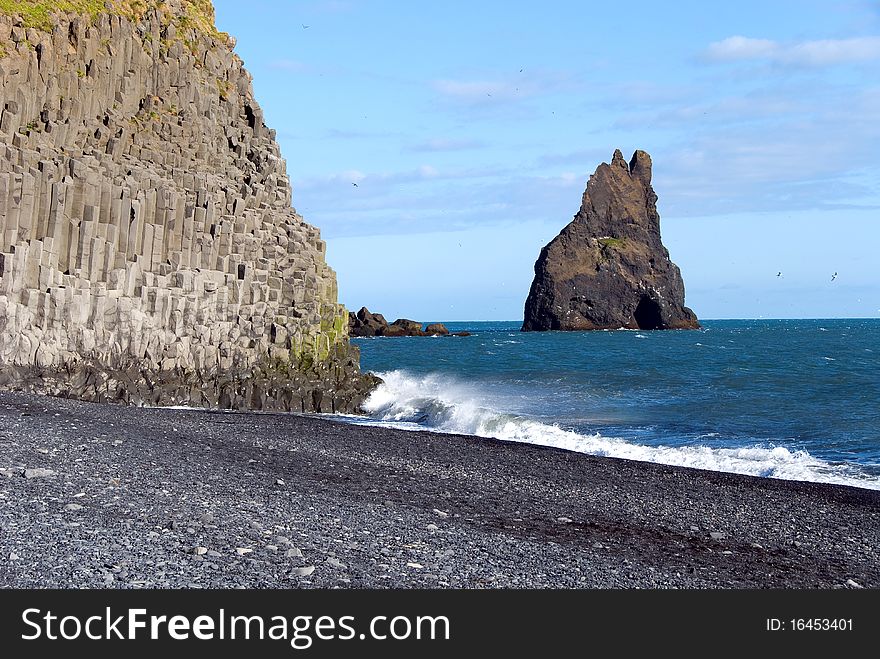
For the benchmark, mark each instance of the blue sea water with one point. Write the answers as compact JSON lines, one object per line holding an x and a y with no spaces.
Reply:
{"x":792,"y":399}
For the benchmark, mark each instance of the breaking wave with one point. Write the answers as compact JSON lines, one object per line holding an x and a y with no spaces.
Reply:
{"x":443,"y":404}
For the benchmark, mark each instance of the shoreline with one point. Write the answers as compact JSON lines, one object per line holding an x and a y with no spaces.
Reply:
{"x":167,"y":498}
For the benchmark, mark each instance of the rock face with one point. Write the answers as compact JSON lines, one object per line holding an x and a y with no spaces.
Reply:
{"x":149,"y":252}
{"x":436,"y":329}
{"x":608,"y":268}
{"x":366,"y":323}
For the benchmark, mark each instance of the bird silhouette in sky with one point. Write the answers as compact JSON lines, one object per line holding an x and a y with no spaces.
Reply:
{"x":305,"y":27}
{"x":354,"y":184}
{"x":834,"y":276}
{"x":778,"y":274}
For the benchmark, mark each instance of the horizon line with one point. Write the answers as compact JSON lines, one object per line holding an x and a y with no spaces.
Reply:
{"x":517,"y":320}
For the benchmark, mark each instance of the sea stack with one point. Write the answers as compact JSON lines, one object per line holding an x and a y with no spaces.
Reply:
{"x":149,"y":251}
{"x":608,"y":269}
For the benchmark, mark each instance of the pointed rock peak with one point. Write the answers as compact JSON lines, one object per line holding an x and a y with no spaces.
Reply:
{"x":640,"y":167}
{"x":617,"y":159}
{"x":608,"y":267}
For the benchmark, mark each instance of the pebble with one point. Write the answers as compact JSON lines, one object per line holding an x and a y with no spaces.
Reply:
{"x":38,"y":472}
{"x":279,"y":481}
{"x":564,"y":520}
{"x":241,"y":551}
{"x":380,"y":546}
{"x":717,"y":535}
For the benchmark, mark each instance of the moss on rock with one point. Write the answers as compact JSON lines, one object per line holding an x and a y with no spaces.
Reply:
{"x":38,"y":14}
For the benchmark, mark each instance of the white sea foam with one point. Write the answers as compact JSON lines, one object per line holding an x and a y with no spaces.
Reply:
{"x":442,"y":404}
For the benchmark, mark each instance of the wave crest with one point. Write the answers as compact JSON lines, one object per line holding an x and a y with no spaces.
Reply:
{"x":442,"y":404}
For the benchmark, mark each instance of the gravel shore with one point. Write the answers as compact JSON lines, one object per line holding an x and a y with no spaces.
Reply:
{"x":95,"y":496}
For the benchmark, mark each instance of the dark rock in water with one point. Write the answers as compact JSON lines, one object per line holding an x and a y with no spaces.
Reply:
{"x":411,"y":327}
{"x":394,"y":330}
{"x":436,"y":329}
{"x":460,"y":334}
{"x":364,"y":323}
{"x":608,"y":268}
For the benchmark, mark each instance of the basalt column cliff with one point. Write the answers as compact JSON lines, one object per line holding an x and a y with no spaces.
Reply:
{"x":149,"y":252}
{"x":608,"y":268}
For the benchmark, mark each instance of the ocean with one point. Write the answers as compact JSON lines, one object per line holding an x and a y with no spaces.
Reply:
{"x":790,"y":399}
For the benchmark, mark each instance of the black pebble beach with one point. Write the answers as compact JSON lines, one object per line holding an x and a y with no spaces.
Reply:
{"x":104,"y":496}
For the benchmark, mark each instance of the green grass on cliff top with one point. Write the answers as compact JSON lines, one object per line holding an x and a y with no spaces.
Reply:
{"x":198,"y":14}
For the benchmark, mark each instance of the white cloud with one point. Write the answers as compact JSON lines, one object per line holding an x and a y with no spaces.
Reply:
{"x":834,"y":51}
{"x":475,"y":90}
{"x":742,"y":48}
{"x":821,"y":52}
{"x":446,"y":144}
{"x":293,"y":66}
{"x":511,"y":89}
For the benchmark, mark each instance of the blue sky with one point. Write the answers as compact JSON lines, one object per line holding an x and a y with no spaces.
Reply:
{"x":471,"y":128}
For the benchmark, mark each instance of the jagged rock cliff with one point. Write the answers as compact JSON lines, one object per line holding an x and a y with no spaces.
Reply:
{"x":608,"y":268}
{"x":149,"y":252}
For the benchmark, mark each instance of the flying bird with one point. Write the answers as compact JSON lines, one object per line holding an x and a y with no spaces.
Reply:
{"x":778,"y":274}
{"x":834,"y":276}
{"x":305,"y":27}
{"x":354,"y":184}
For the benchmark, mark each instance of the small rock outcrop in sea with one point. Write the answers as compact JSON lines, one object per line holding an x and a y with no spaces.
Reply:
{"x":149,"y":252}
{"x":366,"y":323}
{"x":608,"y":268}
